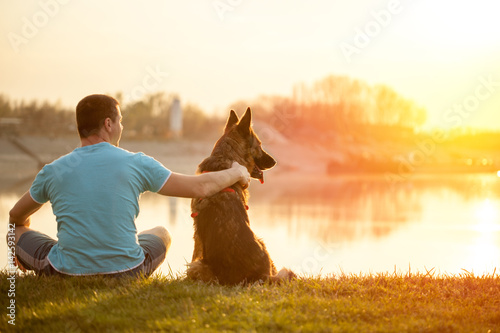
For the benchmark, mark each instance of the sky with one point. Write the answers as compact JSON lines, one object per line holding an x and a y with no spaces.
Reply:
{"x":443,"y":54}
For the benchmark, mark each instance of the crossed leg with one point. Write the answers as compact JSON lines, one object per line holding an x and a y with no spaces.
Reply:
{"x":155,"y":255}
{"x":162,"y":233}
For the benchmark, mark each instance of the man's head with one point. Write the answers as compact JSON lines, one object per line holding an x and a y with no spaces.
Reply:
{"x":99,"y":115}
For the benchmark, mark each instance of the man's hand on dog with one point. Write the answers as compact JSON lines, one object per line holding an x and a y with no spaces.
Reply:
{"x":245,"y":175}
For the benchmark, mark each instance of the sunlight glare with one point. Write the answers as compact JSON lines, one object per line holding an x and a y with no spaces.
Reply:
{"x":483,"y":254}
{"x":487,"y":216}
{"x":484,"y":251}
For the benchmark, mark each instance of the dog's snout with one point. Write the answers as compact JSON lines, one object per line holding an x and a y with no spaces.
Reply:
{"x":265,"y":161}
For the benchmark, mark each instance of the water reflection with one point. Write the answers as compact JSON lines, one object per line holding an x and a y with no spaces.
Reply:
{"x":327,"y":225}
{"x":345,"y":209}
{"x":366,"y":224}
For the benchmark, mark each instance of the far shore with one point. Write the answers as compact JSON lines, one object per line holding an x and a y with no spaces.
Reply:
{"x":182,"y":156}
{"x":296,"y":164}
{"x":19,"y":169}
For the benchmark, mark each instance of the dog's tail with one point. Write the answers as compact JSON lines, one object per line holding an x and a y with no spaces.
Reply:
{"x":283,"y":274}
{"x":198,"y":270}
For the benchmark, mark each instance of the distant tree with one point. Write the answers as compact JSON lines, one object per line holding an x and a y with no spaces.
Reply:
{"x":149,"y":118}
{"x":340,"y":106}
{"x":5,"y":106}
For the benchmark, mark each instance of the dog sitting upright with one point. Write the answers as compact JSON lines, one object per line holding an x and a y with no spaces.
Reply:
{"x":225,"y":248}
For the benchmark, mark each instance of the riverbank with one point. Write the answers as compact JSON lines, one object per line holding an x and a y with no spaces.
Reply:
{"x":295,"y":161}
{"x":18,"y":168}
{"x":342,"y":303}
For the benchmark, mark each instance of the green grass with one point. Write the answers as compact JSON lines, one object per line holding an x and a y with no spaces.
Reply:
{"x":344,"y":303}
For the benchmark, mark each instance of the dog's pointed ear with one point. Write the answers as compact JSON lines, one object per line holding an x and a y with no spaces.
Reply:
{"x":233,"y":119}
{"x":245,"y":122}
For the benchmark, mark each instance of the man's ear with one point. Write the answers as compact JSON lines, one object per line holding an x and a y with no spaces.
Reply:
{"x":245,"y":123}
{"x":107,"y":124}
{"x":233,"y":119}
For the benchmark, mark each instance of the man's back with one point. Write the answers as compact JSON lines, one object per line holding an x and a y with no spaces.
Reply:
{"x":94,"y":192}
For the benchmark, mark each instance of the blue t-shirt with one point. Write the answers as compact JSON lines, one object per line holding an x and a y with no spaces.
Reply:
{"x":94,"y":192}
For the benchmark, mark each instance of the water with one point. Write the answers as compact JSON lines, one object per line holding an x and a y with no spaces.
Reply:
{"x":314,"y":225}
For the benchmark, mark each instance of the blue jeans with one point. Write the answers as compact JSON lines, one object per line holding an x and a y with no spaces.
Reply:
{"x":33,"y":248}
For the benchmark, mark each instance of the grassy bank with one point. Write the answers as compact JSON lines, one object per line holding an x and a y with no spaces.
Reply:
{"x":346,"y":303}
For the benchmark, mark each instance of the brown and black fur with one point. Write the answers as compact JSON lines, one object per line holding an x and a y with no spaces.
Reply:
{"x":226,"y":250}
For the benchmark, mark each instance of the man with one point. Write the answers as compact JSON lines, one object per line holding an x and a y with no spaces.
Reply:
{"x":94,"y":193}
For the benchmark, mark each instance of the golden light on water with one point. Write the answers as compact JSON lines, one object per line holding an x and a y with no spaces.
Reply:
{"x":487,"y":215}
{"x":484,"y":253}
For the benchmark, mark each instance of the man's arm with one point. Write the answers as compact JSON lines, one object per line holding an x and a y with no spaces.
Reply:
{"x":206,"y":184}
{"x":22,"y":210}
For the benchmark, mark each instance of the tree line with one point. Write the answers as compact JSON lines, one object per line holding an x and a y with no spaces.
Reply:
{"x":324,"y":111}
{"x":340,"y":108}
{"x":148,"y":118}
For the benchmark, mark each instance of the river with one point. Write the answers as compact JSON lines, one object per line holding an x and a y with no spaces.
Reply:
{"x":445,"y":224}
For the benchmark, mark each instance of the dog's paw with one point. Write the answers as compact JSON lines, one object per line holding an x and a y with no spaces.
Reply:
{"x":286,"y":274}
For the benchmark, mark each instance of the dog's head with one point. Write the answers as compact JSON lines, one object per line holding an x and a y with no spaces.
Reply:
{"x":248,"y":145}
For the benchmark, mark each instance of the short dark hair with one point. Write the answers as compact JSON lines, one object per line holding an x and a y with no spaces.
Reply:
{"x":91,"y":112}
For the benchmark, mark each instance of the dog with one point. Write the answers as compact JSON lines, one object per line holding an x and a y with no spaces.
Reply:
{"x":225,"y":248}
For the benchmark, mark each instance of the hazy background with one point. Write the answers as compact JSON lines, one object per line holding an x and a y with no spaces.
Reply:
{"x":212,"y":53}
{"x":383,"y":117}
